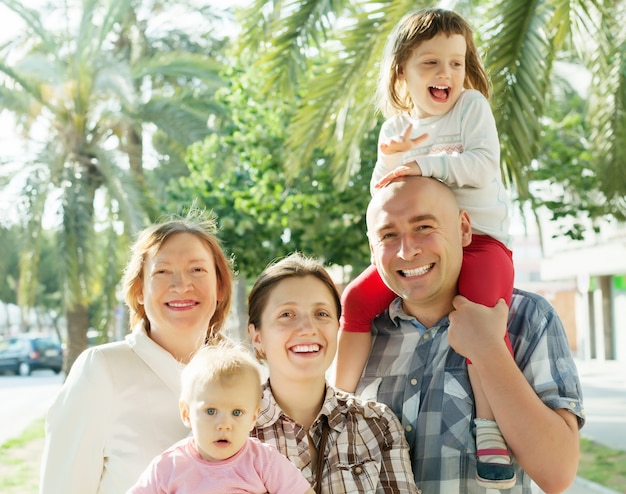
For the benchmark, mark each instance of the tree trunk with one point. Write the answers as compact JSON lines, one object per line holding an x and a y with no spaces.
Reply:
{"x":77,"y":325}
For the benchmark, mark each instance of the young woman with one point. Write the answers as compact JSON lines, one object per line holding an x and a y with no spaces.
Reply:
{"x":341,"y":443}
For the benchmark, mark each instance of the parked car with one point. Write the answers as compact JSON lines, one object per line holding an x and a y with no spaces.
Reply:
{"x":25,"y":353}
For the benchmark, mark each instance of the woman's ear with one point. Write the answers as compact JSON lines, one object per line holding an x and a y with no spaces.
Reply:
{"x":254,"y":335}
{"x":255,"y":338}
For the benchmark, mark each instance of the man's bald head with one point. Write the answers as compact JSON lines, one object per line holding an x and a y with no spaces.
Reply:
{"x":414,"y":184}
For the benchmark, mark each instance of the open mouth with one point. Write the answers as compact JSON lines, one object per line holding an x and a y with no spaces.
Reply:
{"x":304,"y":349}
{"x":222,"y":442}
{"x":408,"y":273}
{"x":440,"y":93}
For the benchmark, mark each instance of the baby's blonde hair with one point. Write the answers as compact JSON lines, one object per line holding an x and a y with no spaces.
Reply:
{"x":216,"y":363}
{"x":412,"y":30}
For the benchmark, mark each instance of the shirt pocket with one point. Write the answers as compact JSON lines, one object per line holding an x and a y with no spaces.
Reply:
{"x":457,"y":410}
{"x":361,"y":476}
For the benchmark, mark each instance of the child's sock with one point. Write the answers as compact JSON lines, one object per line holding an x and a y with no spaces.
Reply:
{"x":490,"y":444}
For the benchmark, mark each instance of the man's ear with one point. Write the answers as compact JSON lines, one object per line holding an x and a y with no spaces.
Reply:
{"x":466,"y":228}
{"x":372,"y":257}
{"x":184,"y":413}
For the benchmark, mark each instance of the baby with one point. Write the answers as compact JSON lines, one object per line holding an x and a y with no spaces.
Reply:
{"x":219,"y":402}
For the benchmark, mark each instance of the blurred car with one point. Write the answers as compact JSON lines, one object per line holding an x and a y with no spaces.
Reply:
{"x":24,"y":353}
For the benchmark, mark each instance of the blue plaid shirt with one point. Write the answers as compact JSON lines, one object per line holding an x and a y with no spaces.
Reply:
{"x":415,"y":372}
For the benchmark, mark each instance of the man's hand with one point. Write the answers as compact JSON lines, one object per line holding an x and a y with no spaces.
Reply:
{"x":476,"y":330}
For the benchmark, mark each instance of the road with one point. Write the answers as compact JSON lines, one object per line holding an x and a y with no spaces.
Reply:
{"x":604,"y":394}
{"x":25,"y":399}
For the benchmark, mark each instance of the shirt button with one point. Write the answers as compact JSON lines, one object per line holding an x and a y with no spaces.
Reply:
{"x":408,"y":428}
{"x":413,"y":381}
{"x":426,"y":336}
{"x":357,"y":470}
{"x":572,"y":405}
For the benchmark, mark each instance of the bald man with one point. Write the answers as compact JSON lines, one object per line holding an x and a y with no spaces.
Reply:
{"x":418,"y":366}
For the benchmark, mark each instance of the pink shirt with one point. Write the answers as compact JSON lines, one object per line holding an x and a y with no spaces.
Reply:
{"x":256,"y":469}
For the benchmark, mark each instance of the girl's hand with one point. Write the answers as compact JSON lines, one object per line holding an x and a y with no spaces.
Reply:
{"x":402,"y":143}
{"x":410,"y":169}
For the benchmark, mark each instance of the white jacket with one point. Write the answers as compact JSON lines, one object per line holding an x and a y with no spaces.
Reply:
{"x":117,"y":410}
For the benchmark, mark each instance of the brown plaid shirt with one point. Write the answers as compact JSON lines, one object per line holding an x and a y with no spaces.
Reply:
{"x":365,"y":452}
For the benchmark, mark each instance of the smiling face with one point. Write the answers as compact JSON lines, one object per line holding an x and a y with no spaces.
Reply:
{"x":180,"y":289}
{"x":434,"y":74}
{"x":417,"y":235}
{"x":298,"y":329}
{"x":221,"y":414}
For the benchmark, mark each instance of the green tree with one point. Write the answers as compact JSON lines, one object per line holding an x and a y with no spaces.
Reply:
{"x":9,"y":270}
{"x":263,"y":214}
{"x":84,"y":80}
{"x":520,"y":42}
{"x":570,"y":193}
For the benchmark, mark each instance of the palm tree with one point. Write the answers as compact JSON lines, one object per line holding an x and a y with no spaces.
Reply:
{"x":323,"y":55}
{"x":83,"y":81}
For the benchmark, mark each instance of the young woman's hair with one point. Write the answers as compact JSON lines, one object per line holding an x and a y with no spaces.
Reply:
{"x":294,"y":265}
{"x":415,"y":28}
{"x":222,"y":363}
{"x":149,"y":242}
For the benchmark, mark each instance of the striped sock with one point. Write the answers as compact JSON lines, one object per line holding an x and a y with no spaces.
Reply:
{"x":490,"y":445}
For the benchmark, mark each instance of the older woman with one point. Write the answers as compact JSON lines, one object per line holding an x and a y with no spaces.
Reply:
{"x":340,"y":443}
{"x":118,"y":407}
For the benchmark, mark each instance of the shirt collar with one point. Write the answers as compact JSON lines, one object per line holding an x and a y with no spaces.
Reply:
{"x":397,"y":315}
{"x":271,"y":411}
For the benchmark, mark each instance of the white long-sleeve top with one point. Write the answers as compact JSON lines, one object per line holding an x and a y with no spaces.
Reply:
{"x":463,"y":151}
{"x":116,"y":411}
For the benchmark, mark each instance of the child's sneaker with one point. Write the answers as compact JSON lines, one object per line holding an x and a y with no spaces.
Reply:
{"x":494,"y":475}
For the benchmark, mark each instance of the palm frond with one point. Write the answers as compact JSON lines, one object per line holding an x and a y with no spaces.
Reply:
{"x":607,"y":105}
{"x":283,"y":35}
{"x":17,"y":79}
{"x":181,"y":121}
{"x":32,"y":199}
{"x":519,"y":52}
{"x":124,"y":190}
{"x":33,"y":20}
{"x":180,"y":64}
{"x":338,"y":107}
